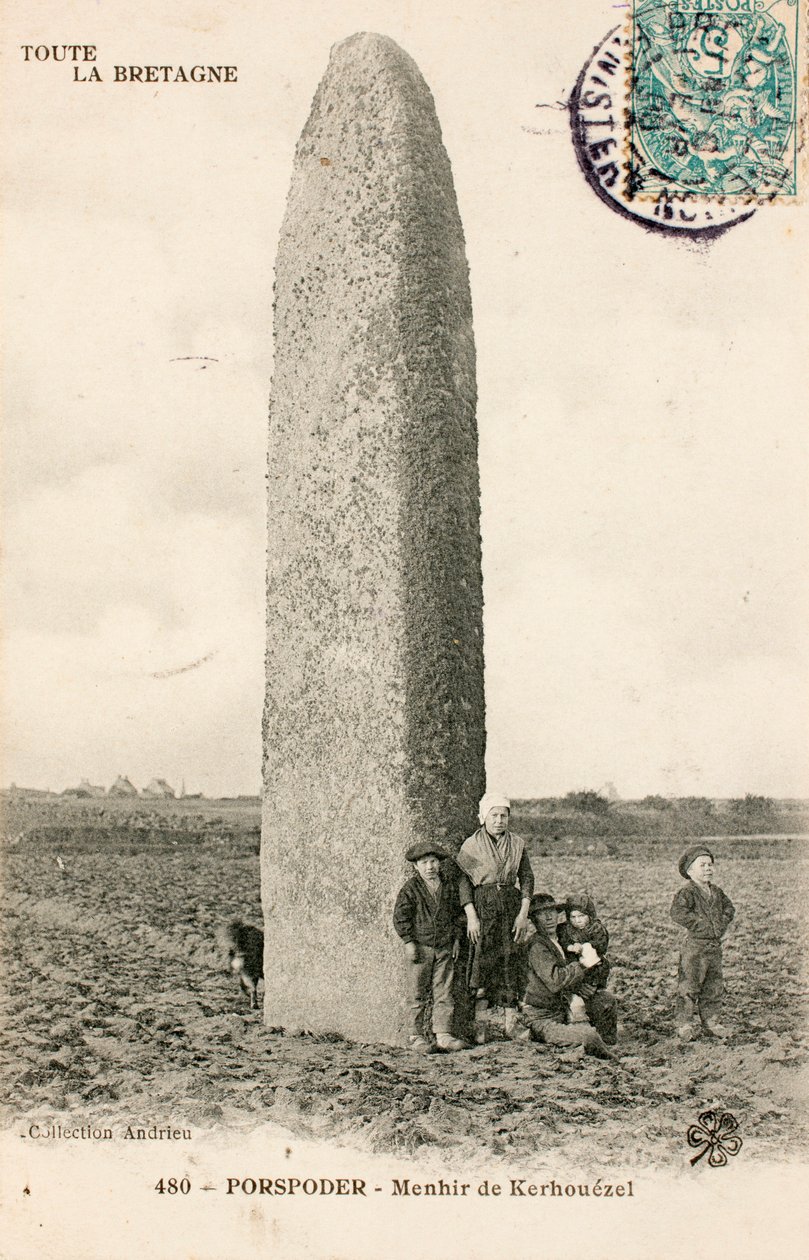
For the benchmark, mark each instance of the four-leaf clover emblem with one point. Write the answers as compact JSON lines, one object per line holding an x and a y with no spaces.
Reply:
{"x":715,"y":1134}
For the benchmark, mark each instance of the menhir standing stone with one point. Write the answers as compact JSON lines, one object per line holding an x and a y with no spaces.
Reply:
{"x":374,"y":720}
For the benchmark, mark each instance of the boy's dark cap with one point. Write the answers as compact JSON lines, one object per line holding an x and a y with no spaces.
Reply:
{"x":423,"y":848}
{"x":691,"y":855}
{"x":543,"y":901}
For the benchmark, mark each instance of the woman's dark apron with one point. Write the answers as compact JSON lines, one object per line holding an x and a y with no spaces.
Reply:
{"x":496,"y":965}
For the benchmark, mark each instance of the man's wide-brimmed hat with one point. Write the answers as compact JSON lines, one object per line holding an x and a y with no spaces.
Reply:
{"x":691,"y":855}
{"x":423,"y":848}
{"x":543,"y":901}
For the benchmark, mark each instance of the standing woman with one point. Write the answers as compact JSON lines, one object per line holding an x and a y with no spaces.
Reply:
{"x":495,"y":887}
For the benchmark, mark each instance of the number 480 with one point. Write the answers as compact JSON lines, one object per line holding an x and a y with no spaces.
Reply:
{"x":170,"y":1185}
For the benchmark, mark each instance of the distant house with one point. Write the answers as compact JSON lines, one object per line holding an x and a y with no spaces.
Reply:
{"x":122,"y":787}
{"x":159,"y":789}
{"x":87,"y":788}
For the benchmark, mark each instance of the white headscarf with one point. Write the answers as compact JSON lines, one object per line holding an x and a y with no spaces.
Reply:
{"x":492,"y":800}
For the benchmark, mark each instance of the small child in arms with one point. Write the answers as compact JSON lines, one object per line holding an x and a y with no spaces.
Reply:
{"x":581,"y":926}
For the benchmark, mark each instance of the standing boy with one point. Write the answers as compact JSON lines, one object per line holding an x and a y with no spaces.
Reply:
{"x":706,"y":913}
{"x":427,"y":918}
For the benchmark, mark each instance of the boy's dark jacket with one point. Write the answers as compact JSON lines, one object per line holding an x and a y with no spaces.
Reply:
{"x":704,"y":919}
{"x":417,"y":916}
{"x":550,"y":979}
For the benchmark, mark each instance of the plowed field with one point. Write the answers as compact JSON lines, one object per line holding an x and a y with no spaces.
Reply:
{"x":118,"y":1008}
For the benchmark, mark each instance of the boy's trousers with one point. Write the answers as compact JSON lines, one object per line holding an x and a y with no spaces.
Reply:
{"x":700,"y":981}
{"x":430,"y":977}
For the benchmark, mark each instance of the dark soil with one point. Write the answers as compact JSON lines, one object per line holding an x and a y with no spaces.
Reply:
{"x":119,"y":1009}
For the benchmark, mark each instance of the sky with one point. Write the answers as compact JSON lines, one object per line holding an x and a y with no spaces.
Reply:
{"x":641,"y":414}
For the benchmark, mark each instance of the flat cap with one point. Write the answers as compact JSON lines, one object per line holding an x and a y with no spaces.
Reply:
{"x":423,"y":848}
{"x":691,"y":855}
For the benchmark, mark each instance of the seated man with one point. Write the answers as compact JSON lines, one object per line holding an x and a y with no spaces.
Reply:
{"x":551,"y":982}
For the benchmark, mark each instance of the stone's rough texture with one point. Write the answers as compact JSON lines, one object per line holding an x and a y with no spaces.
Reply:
{"x":374,"y":722}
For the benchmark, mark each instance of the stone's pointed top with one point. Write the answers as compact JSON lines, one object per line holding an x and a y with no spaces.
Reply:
{"x":371,"y":153}
{"x":377,"y":52}
{"x":371,"y":41}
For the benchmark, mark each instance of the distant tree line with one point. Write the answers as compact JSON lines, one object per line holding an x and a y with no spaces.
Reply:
{"x":588,"y":801}
{"x":586,"y":813}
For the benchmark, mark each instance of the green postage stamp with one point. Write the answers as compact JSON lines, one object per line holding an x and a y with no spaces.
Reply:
{"x":715,"y":90}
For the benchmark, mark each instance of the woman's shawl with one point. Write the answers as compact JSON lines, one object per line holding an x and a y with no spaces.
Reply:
{"x":487,"y":861}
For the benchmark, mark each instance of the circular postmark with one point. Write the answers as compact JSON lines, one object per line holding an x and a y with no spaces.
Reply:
{"x":598,"y":120}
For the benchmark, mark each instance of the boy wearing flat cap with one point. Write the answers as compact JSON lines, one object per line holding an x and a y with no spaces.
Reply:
{"x":706,"y":914}
{"x":427,"y":916}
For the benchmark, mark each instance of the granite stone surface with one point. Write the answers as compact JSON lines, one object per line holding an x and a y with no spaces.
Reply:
{"x":374,"y":718}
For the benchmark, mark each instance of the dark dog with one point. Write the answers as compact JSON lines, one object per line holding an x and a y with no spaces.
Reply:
{"x":245,"y":951}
